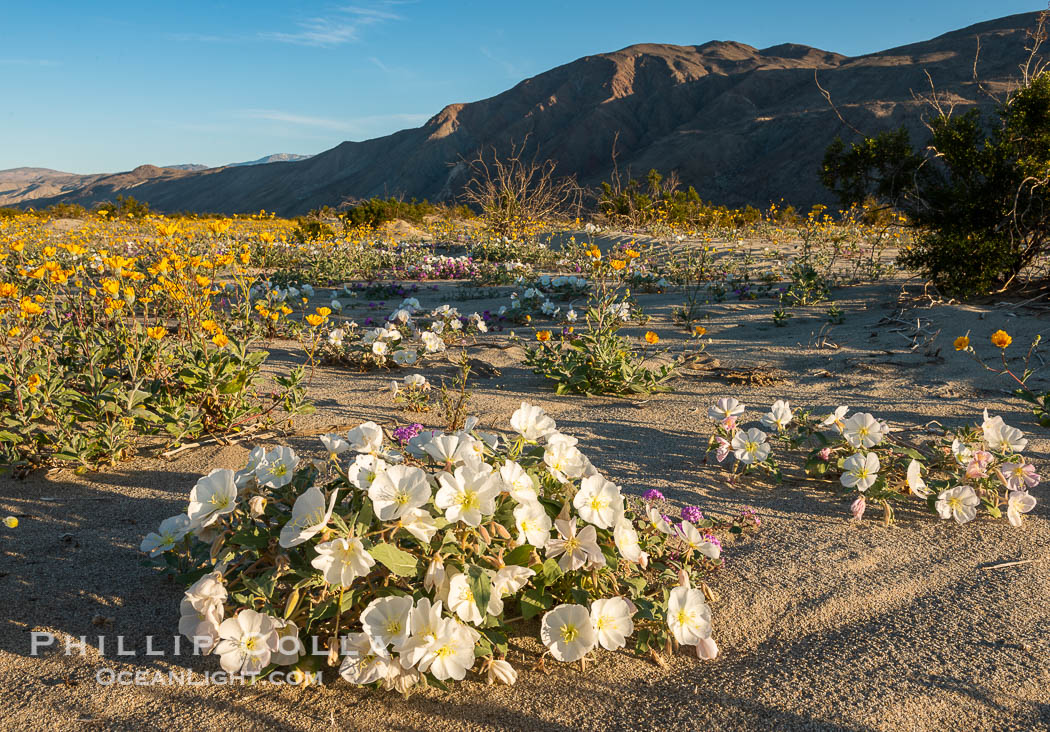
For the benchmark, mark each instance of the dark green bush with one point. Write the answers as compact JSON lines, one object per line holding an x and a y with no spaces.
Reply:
{"x":978,"y":191}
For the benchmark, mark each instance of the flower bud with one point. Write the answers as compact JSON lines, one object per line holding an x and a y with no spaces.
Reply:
{"x":434,"y":576}
{"x":257,"y":506}
{"x":857,"y":508}
{"x":707,"y":649}
{"x":501,"y":530}
{"x":501,"y":672}
{"x":485,"y":536}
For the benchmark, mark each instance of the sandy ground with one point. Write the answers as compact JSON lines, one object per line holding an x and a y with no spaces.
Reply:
{"x":824,"y":623}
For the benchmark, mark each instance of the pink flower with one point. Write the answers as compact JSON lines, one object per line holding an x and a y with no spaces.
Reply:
{"x":724,"y":448}
{"x":1020,"y":476}
{"x":729,"y":423}
{"x":825,"y":454}
{"x":857,"y":508}
{"x":978,"y":467}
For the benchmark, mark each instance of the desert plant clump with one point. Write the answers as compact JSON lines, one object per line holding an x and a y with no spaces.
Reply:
{"x":972,"y":468}
{"x":595,"y":358}
{"x":411,"y":564}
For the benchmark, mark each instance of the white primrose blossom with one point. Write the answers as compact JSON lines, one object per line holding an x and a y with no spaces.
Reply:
{"x":309,"y":517}
{"x":213,"y":496}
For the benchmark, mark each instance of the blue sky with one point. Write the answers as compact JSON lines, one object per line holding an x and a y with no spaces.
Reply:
{"x":101,"y":87}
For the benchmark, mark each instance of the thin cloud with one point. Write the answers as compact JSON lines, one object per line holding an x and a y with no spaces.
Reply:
{"x":343,"y":26}
{"x":354,"y":125}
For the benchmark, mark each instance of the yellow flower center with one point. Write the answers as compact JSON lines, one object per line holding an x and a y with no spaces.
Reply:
{"x":569,"y":633}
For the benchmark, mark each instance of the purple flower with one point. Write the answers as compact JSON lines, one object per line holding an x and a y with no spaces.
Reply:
{"x":692,"y":514}
{"x":653,"y":495}
{"x":406,"y":433}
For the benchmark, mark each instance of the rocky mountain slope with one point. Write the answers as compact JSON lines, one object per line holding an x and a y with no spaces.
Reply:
{"x":740,"y":124}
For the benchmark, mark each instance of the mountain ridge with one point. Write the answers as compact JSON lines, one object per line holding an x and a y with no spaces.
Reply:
{"x":742,"y":125}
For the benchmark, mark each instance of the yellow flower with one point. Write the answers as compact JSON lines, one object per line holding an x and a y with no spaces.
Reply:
{"x":1001,"y":339}
{"x":203,"y":281}
{"x":220,"y":340}
{"x":156,"y":332}
{"x":29,"y":307}
{"x":209,"y":326}
{"x":543,"y":336}
{"x":632,"y":254}
{"x":314,"y":320}
{"x":11,"y":522}
{"x":652,"y":338}
{"x":324,"y":312}
{"x":617,"y":264}
{"x":33,"y":382}
{"x":8,"y":290}
{"x":699,"y":331}
{"x":962,"y":343}
{"x":15,"y":332}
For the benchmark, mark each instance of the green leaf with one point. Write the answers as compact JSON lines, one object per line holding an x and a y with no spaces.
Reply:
{"x":551,"y":570}
{"x":480,"y":586}
{"x":519,"y":555}
{"x":400,"y":563}
{"x":534,"y":601}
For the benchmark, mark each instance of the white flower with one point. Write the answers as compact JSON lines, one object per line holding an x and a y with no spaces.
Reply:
{"x":380,"y":348}
{"x":386,"y":621}
{"x":692,"y":537}
{"x":461,"y":600}
{"x":688,"y":616}
{"x":246,"y":474}
{"x":277,"y":467}
{"x":426,"y":622}
{"x":334,"y":444}
{"x":779,"y":415}
{"x":534,"y":525}
{"x":959,"y":503}
{"x":1001,"y":437}
{"x":246,"y":642}
{"x":726,"y":408}
{"x":501,"y":672}
{"x":336,"y":306}
{"x":707,"y":649}
{"x":170,"y":532}
{"x":564,"y":461}
{"x":750,"y":446}
{"x":962,"y":451}
{"x":336,"y":336}
{"x":214,"y":495}
{"x":567,"y":632}
{"x":451,"y":653}
{"x":397,"y":490}
{"x":289,"y":647}
{"x":341,"y":561}
{"x":309,"y":517}
{"x":362,"y":665}
{"x":834,"y":419}
{"x":518,"y":483}
{"x":626,"y":539}
{"x":468,"y":494}
{"x":611,"y":619}
{"x":571,"y":316}
{"x":862,"y":431}
{"x":367,"y":437}
{"x":420,"y":524}
{"x":364,"y":470}
{"x":416,"y":381}
{"x":915,"y":482}
{"x":433,"y":343}
{"x":1018,"y":503}
{"x":860,"y":471}
{"x":506,"y":582}
{"x":404,"y":357}
{"x":599,"y":502}
{"x":200,"y":626}
{"x":576,"y":550}
{"x":531,"y":422}
{"x":658,"y":521}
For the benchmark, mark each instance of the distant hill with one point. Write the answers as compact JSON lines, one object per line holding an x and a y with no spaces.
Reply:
{"x":275,"y":158}
{"x":742,"y":125}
